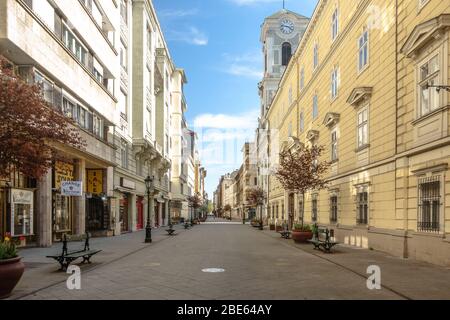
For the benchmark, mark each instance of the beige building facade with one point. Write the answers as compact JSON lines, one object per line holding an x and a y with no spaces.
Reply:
{"x":365,"y":83}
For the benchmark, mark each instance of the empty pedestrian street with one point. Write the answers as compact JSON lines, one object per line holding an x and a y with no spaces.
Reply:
{"x":255,"y":265}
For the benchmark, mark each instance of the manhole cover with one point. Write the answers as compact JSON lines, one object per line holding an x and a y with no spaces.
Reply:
{"x":213,"y":270}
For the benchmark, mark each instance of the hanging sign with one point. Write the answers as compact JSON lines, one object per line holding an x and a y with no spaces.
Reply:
{"x":72,"y":188}
{"x":63,"y":172}
{"x":95,"y":181}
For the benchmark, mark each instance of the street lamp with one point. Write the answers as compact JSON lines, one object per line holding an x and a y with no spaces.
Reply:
{"x":261,"y":203}
{"x":148,"y":228}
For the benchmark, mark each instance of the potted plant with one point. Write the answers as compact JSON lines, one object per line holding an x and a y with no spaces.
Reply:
{"x":278,"y":228}
{"x":302,"y":233}
{"x":11,"y":267}
{"x":272,"y":226}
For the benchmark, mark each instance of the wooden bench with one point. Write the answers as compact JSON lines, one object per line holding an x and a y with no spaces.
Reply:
{"x":322,"y":239}
{"x":68,"y":256}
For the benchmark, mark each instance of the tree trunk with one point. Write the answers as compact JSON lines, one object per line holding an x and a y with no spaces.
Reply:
{"x":303,"y":208}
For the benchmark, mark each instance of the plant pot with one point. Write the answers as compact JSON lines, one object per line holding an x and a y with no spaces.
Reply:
{"x":301,"y":236}
{"x":11,"y":271}
{"x":278,"y":228}
{"x":272,"y":227}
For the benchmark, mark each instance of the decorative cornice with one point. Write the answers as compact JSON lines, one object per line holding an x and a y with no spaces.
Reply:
{"x":359,"y":95}
{"x":425,"y":32}
{"x":312,"y":135}
{"x":331,"y":119}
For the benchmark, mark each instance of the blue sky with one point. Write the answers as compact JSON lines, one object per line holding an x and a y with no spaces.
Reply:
{"x":217,"y":43}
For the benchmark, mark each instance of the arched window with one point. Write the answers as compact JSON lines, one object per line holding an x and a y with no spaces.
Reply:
{"x":286,"y":53}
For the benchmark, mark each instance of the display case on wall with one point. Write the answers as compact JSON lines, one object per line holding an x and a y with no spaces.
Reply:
{"x":22,"y":205}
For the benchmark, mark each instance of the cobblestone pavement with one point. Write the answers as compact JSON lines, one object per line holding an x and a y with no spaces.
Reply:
{"x":258,"y":265}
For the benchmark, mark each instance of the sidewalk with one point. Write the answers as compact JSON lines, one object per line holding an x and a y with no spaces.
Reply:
{"x":41,"y":272}
{"x":410,"y":278}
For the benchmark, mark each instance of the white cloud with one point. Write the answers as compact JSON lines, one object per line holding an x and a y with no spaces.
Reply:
{"x":252,"y":2}
{"x":224,"y":121}
{"x":248,"y":65}
{"x":178,"y":13}
{"x":191,"y":36}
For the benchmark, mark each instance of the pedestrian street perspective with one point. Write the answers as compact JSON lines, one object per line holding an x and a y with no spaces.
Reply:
{"x":224,"y":150}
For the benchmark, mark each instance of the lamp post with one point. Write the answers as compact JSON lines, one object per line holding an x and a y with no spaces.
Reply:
{"x":243,"y":213}
{"x":260,"y":204}
{"x":148,"y":228}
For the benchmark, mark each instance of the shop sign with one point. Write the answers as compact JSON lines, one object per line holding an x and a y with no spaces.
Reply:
{"x":127,"y":184}
{"x":22,"y":203}
{"x":72,"y":188}
{"x":63,"y":172}
{"x":95,"y":181}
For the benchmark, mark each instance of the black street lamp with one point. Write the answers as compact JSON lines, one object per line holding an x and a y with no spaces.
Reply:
{"x":148,"y":228}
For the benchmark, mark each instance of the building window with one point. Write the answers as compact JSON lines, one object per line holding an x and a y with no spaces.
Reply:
{"x":334,"y":25}
{"x":316,"y":56}
{"x":429,"y":74}
{"x":315,"y":110}
{"x":334,"y":82}
{"x":45,"y":85}
{"x":428,"y":219}
{"x":333,"y":208}
{"x":302,"y":122}
{"x":286,"y":53}
{"x":363,"y":45}
{"x":124,"y":11}
{"x":423,"y":3}
{"x":123,"y":104}
{"x":149,"y":38}
{"x":300,"y":208}
{"x":124,"y":154}
{"x":123,"y":56}
{"x":334,"y":146}
{"x":362,"y":206}
{"x":302,"y":78}
{"x":363,"y":128}
{"x":314,"y":208}
{"x":74,"y":45}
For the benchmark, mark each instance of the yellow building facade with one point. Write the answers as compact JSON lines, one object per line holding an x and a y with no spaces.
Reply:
{"x":364,"y":83}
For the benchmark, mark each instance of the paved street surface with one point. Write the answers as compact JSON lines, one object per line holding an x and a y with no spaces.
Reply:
{"x":257,"y":264}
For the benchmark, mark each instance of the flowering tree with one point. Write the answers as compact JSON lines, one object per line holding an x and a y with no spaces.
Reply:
{"x":195,"y":201}
{"x":29,"y":127}
{"x":255,"y":198}
{"x":301,"y":170}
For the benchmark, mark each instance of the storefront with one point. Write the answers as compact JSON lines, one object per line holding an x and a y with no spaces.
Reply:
{"x":140,"y":213}
{"x":62,"y":206}
{"x":124,"y":213}
{"x":17,"y":208}
{"x":97,"y":211}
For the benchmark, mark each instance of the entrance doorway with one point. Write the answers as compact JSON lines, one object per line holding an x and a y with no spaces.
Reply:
{"x":96,"y":219}
{"x":291,"y":211}
{"x":124,"y":225}
{"x":156,"y":214}
{"x":140,"y":213}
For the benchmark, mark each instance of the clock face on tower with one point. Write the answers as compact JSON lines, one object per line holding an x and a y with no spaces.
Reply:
{"x":287,"y":26}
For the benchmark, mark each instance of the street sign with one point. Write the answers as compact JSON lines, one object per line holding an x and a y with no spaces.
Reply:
{"x":72,"y":188}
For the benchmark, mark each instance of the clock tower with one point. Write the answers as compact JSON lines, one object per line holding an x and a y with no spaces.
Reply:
{"x":280,"y":35}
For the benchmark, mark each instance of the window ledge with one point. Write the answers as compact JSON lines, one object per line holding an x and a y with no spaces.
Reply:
{"x":429,"y":234}
{"x":334,"y":161}
{"x":364,"y":147}
{"x":430,"y":114}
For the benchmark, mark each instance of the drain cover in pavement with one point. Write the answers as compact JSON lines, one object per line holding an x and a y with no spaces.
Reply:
{"x":213,"y":270}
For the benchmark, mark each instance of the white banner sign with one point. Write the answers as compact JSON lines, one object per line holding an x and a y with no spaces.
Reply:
{"x":72,"y":188}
